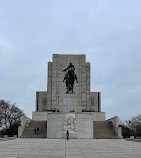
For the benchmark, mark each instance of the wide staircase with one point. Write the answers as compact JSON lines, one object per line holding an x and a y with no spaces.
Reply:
{"x":31,"y":131}
{"x":104,"y":130}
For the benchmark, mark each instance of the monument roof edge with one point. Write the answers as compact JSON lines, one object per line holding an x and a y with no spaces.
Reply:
{"x":55,"y":56}
{"x":68,"y":54}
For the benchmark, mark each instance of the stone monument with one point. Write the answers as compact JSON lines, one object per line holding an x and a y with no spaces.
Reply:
{"x":68,"y":104}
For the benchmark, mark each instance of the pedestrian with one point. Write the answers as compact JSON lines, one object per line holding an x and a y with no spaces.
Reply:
{"x":67,"y":134}
{"x":35,"y":130}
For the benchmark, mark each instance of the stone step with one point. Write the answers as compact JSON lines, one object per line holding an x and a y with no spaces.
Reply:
{"x":104,"y":130}
{"x":29,"y":131}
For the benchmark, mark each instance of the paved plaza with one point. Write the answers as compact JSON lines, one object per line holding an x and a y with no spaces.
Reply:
{"x":74,"y":148}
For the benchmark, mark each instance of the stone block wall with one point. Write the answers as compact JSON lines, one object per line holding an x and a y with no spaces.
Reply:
{"x":95,"y":101}
{"x":41,"y":101}
{"x":21,"y":128}
{"x":55,"y":126}
{"x":56,"y":88}
{"x":99,"y":116}
{"x":114,"y":121}
{"x":53,"y":97}
{"x":85,"y":125}
{"x":78,"y":125}
{"x":40,"y":116}
{"x":70,"y":102}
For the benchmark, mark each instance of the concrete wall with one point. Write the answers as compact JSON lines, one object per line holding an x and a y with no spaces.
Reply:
{"x":114,"y":121}
{"x":53,"y":97}
{"x":40,"y":116}
{"x":41,"y":101}
{"x":55,"y":126}
{"x":20,"y":131}
{"x":21,"y":128}
{"x":24,"y":120}
{"x":119,"y":131}
{"x":85,"y":126}
{"x":56,"y":88}
{"x":99,"y":116}
{"x":95,"y":101}
{"x":70,"y":102}
{"x":79,"y":125}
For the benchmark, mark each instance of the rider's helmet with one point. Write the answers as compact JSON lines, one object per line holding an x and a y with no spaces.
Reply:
{"x":70,"y":63}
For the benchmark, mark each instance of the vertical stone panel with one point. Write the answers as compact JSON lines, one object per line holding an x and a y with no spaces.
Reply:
{"x":96,"y":101}
{"x":99,"y":101}
{"x":84,"y":125}
{"x":49,"y":87}
{"x":88,"y":85}
{"x":55,"y":126}
{"x":37,"y":101}
{"x":41,"y":101}
{"x":54,"y":84}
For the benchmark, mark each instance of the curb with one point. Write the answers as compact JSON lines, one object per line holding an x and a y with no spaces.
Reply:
{"x":134,"y":140}
{"x":6,"y":139}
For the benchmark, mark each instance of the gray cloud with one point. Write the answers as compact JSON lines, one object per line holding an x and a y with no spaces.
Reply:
{"x":108,"y":32}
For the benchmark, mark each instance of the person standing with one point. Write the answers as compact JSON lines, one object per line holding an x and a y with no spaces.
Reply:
{"x":67,"y":134}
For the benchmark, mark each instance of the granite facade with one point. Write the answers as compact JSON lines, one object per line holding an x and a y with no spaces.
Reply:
{"x":79,"y":125}
{"x":56,"y":88}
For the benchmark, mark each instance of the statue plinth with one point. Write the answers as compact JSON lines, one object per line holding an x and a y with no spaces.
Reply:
{"x":70,"y":102}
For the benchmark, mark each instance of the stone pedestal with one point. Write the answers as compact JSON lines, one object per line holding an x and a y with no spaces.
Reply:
{"x":79,"y":125}
{"x":55,"y":125}
{"x":85,"y":126}
{"x":70,"y":102}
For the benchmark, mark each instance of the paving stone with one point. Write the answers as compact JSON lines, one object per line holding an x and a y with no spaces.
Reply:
{"x":74,"y":148}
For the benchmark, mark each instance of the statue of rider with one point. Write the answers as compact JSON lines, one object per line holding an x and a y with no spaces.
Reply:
{"x":70,"y":73}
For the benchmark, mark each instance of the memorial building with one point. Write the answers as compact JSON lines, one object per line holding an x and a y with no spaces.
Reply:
{"x":68,"y":104}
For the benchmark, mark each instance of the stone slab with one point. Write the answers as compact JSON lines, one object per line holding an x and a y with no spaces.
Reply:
{"x":79,"y":125}
{"x":85,"y":126}
{"x":70,"y":102}
{"x":74,"y":148}
{"x":55,"y":125}
{"x":40,"y":116}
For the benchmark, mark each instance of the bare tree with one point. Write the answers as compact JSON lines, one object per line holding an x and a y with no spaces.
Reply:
{"x":10,"y":115}
{"x":131,"y":127}
{"x":134,"y":124}
{"x":4,"y":108}
{"x":126,"y":132}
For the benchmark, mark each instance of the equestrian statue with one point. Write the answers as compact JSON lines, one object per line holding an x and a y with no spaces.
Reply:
{"x":70,"y":77}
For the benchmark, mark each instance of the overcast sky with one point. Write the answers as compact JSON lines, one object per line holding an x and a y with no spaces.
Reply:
{"x":107,"y":31}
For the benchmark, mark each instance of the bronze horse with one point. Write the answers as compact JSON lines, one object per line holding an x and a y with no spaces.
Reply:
{"x":70,"y":77}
